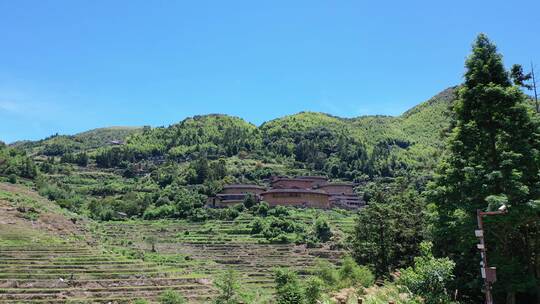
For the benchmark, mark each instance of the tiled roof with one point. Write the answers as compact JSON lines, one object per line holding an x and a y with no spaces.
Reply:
{"x":337,"y":184}
{"x":243,"y":186}
{"x":295,"y":191}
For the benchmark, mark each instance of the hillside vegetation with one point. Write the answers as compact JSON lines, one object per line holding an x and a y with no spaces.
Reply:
{"x":138,"y":196}
{"x":167,"y":172}
{"x":88,"y":140}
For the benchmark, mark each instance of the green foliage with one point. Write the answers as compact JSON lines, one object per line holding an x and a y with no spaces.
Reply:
{"x":322,"y":230}
{"x":152,"y":241}
{"x":390,"y":293}
{"x":288,"y":287}
{"x":80,"y":159}
{"x":163,"y":211}
{"x":249,"y":201}
{"x":389,"y":231}
{"x":171,"y":297}
{"x":352,"y":274}
{"x":229,"y":288}
{"x":349,"y":274}
{"x":327,"y":272}
{"x":262,"y":209}
{"x":258,"y":226}
{"x":313,"y":287}
{"x":61,"y":144}
{"x":278,"y":229}
{"x":211,"y":135}
{"x":15,"y":162}
{"x":493,"y":157}
{"x":429,"y":276}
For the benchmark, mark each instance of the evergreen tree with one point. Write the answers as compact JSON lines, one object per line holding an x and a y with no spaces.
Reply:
{"x":493,"y":158}
{"x":389,"y":231}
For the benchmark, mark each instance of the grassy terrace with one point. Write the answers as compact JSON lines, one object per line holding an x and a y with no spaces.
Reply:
{"x":50,"y":270}
{"x":45,"y":258}
{"x":210,"y":247}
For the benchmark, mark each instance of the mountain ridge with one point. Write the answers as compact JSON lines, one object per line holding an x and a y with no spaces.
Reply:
{"x":444,"y":95}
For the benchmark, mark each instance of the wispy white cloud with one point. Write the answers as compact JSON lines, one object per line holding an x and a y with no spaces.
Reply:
{"x":10,"y":106}
{"x":17,"y":102}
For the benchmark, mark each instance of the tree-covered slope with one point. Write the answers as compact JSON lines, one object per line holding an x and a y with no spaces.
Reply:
{"x":169,"y":171}
{"x":423,"y":124}
{"x":342,"y":148}
{"x":88,"y":140}
{"x":214,"y":135}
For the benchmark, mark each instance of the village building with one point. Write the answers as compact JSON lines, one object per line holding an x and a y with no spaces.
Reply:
{"x":235,"y":194}
{"x":342,"y":195}
{"x":299,"y":182}
{"x":297,"y":198}
{"x":300,"y":191}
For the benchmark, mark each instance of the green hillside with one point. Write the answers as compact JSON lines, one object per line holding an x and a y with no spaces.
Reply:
{"x":308,"y":142}
{"x":88,"y":140}
{"x":169,"y":171}
{"x":213,"y":134}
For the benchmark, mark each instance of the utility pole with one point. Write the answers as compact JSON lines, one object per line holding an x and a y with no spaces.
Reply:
{"x":534,"y":88}
{"x":488,"y":273}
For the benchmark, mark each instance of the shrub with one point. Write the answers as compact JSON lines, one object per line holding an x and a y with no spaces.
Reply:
{"x":278,"y":211}
{"x":199,"y":215}
{"x":327,"y":272}
{"x":67,"y":204}
{"x":152,"y":241}
{"x":310,"y":242}
{"x":153,"y":212}
{"x":171,"y":297}
{"x":387,"y":294}
{"x":351,"y":274}
{"x":258,"y":226}
{"x":322,"y":230}
{"x":229,"y":288}
{"x":263,"y":208}
{"x":429,"y":276}
{"x":313,"y":290}
{"x":52,"y":192}
{"x":249,"y":201}
{"x":288,"y":289}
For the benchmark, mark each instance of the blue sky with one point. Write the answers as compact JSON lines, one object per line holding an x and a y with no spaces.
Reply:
{"x":69,"y":66}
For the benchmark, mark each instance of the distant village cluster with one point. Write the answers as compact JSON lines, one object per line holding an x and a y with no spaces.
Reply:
{"x":300,"y":191}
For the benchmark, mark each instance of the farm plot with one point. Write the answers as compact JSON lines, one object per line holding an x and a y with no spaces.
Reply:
{"x":37,"y":266}
{"x":211,"y":247}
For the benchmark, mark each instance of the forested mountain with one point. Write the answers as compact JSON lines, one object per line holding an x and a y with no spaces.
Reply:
{"x":107,"y":170}
{"x":357,"y":148}
{"x":136,"y":170}
{"x":219,"y":135}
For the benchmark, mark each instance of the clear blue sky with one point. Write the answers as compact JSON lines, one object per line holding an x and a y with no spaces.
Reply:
{"x":69,"y":66}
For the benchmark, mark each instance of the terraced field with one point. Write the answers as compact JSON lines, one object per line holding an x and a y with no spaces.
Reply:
{"x":46,"y":258}
{"x":49,"y":256}
{"x":55,"y":271}
{"x":220,"y":245}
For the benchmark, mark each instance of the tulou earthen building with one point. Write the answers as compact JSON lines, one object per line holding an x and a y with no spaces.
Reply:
{"x":300,"y":191}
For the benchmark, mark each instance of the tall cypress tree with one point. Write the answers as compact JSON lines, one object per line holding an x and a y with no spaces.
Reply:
{"x":493,"y":158}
